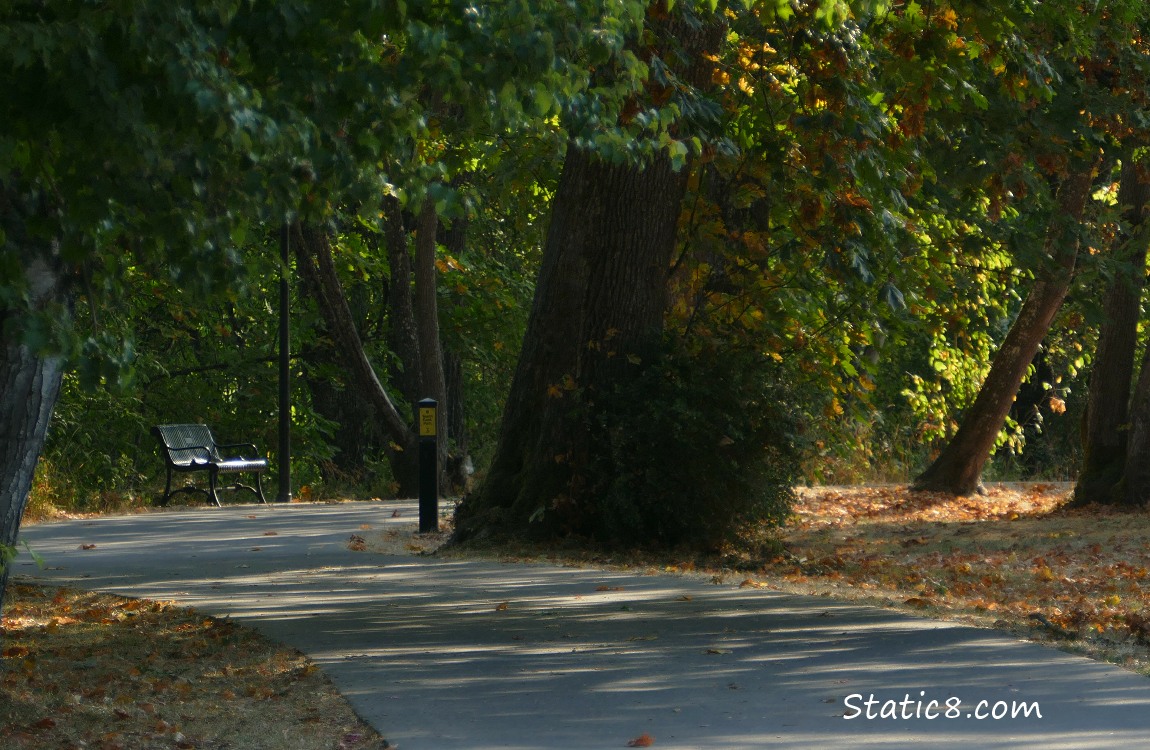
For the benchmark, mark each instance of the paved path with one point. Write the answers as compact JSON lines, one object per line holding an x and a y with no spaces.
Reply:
{"x":426,"y":651}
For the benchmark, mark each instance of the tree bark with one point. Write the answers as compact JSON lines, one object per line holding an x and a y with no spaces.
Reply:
{"x":459,"y":466}
{"x":1134,"y":489}
{"x":29,"y":383}
{"x":599,"y":301}
{"x":402,"y":337}
{"x":958,"y":469}
{"x":29,"y":386}
{"x":1106,"y":426}
{"x":597,"y":313}
{"x":431,"y":376}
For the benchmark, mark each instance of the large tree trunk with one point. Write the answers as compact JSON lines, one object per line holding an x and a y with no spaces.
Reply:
{"x":1106,"y":426}
{"x":599,"y":301}
{"x":597,"y":312}
{"x":29,"y":385}
{"x":958,"y":469}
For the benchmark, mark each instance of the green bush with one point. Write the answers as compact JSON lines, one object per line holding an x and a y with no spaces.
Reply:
{"x":696,"y":448}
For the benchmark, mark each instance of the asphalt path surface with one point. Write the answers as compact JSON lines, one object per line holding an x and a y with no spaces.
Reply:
{"x":444,"y":653}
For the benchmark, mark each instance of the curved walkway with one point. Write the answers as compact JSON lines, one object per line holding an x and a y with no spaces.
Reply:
{"x":441,"y":654}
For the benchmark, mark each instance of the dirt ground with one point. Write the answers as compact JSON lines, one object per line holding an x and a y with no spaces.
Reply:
{"x":85,"y":670}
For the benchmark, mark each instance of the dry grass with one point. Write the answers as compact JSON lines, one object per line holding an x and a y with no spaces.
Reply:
{"x":87,"y":670}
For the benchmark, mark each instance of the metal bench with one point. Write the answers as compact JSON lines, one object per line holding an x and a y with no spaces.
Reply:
{"x":191,"y":447}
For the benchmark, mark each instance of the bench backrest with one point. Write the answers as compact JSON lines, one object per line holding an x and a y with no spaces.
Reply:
{"x":188,"y":443}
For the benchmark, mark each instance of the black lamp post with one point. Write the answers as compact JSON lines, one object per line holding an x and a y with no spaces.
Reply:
{"x":284,"y":495}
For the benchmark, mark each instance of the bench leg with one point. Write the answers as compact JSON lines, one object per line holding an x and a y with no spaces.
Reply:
{"x":167,"y":489}
{"x":212,"y":492}
{"x":260,"y":488}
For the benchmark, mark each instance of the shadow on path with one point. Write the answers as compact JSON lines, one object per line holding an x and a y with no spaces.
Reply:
{"x":441,"y":654}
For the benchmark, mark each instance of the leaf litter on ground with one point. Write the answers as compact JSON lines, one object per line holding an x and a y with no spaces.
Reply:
{"x":1015,"y":558}
{"x":90,"y":670}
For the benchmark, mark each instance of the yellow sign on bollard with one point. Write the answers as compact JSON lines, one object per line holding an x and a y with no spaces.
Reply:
{"x":427,"y":421}
{"x":428,"y":467}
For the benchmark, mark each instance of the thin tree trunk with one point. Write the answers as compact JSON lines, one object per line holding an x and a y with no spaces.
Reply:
{"x":427,"y":323}
{"x":958,"y":469}
{"x":459,"y":466}
{"x":1134,"y":489}
{"x":402,"y":337}
{"x":1106,"y":426}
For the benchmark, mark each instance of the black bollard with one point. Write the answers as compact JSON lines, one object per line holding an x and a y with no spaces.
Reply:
{"x":428,"y":466}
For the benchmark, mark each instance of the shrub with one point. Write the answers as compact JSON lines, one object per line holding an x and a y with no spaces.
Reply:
{"x":693,"y":450}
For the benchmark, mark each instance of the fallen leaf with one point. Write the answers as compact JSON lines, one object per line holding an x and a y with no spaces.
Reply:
{"x":87,"y":546}
{"x":356,"y":543}
{"x":718,"y":651}
{"x":396,"y":514}
{"x":502,"y":606}
{"x":271,"y":533}
{"x":609,"y":588}
{"x":643,"y":740}
{"x":917,"y":601}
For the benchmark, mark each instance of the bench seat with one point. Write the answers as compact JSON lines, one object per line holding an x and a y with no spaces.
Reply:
{"x":192,"y":447}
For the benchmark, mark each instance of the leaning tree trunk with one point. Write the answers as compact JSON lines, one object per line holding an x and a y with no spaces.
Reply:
{"x":1106,"y":427}
{"x":313,"y":254}
{"x":599,"y":300}
{"x":958,"y":469}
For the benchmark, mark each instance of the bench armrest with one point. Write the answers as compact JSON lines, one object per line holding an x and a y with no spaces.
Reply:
{"x":255,"y":451}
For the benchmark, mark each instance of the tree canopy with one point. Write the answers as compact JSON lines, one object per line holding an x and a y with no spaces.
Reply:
{"x":882,"y":214}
